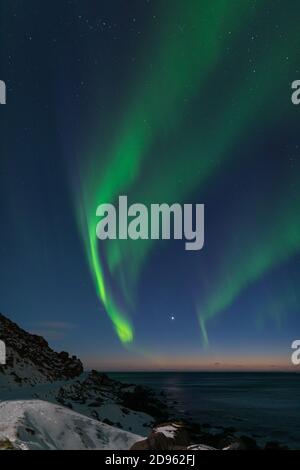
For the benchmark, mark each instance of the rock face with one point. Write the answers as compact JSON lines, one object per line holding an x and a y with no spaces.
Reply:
{"x":169,"y":436}
{"x":143,"y":399}
{"x":34,"y":371}
{"x":30,"y":360}
{"x":98,"y":396}
{"x":177,"y":436}
{"x":88,"y":390}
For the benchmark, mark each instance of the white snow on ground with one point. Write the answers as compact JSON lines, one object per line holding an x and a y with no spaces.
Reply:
{"x":136,"y":422}
{"x":133,"y":421}
{"x":168,"y":430}
{"x":200,"y":447}
{"x":36,"y":424}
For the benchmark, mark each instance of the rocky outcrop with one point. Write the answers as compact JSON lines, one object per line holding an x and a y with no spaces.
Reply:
{"x":44,"y":374}
{"x":30,"y":360}
{"x":169,"y":436}
{"x":6,"y":444}
{"x":179,"y":436}
{"x":88,"y":390}
{"x":143,"y":399}
{"x":97,"y":395}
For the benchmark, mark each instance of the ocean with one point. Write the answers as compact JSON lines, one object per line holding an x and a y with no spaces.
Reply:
{"x":265,"y":406}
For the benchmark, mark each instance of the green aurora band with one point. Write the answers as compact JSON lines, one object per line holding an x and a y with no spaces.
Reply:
{"x":181,"y":69}
{"x":276,"y":241}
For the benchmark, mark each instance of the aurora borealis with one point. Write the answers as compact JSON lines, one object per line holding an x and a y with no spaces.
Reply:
{"x":155,"y":106}
{"x":176,"y":102}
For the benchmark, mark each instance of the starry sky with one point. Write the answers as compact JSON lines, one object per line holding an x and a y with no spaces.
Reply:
{"x":164,"y":101}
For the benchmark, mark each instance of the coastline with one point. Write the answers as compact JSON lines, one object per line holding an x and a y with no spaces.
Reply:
{"x":227,"y":407}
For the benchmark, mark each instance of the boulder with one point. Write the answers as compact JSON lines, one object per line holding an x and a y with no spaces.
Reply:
{"x":168,"y":436}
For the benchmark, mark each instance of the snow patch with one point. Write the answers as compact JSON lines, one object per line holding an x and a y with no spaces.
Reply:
{"x":37,"y":425}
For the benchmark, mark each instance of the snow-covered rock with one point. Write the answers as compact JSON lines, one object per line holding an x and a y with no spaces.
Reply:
{"x":39,"y":425}
{"x":30,"y":360}
{"x":35,"y":371}
{"x":169,"y":436}
{"x":201,"y":447}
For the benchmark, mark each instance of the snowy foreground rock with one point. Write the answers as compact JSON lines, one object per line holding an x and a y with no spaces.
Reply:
{"x":38,"y":425}
{"x":169,"y":436}
{"x":34,"y":371}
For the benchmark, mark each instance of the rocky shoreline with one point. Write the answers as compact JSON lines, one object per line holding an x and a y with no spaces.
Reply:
{"x":182,"y":432}
{"x":188,"y":434}
{"x":36,"y":374}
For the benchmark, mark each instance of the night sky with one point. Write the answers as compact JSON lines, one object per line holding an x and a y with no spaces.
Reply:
{"x":164,"y":101}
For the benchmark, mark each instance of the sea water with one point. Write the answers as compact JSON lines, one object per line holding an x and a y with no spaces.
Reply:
{"x":265,"y":406}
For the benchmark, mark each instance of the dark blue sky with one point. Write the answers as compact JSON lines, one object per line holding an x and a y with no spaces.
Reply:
{"x":71,"y":69}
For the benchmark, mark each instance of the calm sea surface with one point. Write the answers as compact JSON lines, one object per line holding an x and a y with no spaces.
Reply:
{"x":264,"y":405}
